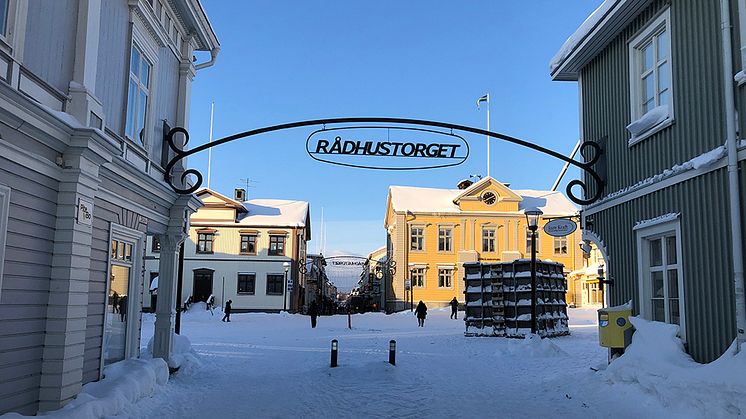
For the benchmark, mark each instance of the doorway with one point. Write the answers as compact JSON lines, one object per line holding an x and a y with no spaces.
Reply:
{"x":202,"y":287}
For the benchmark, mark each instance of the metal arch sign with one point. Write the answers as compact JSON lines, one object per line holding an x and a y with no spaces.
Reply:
{"x":560,"y":227}
{"x":188,"y":180}
{"x":376,"y":147}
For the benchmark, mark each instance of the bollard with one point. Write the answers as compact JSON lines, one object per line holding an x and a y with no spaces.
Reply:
{"x":334,"y":353}
{"x":392,"y":352}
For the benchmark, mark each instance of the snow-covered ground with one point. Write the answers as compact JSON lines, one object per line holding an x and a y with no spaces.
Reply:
{"x":275,"y":365}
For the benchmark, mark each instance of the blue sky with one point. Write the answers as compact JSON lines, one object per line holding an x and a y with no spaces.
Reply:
{"x":287,"y":61}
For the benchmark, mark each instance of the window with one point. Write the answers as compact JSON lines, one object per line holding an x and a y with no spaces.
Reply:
{"x":3,"y":17}
{"x":248,"y":244}
{"x":156,"y":245}
{"x":418,"y":277}
{"x":205,"y":242}
{"x":276,"y":245}
{"x":417,"y":239}
{"x":650,"y":78}
{"x":246,"y":283}
{"x":137,"y":94}
{"x":661,"y":287}
{"x":445,"y":239}
{"x":444,"y":277}
{"x":274,"y":284}
{"x":4,"y":210}
{"x":560,"y":245}
{"x":528,"y":241}
{"x":488,"y":240}
{"x":121,"y":251}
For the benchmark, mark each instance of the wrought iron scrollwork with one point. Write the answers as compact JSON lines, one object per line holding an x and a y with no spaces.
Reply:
{"x":181,"y":153}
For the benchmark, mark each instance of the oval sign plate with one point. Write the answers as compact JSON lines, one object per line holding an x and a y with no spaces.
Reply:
{"x":560,"y":227}
{"x":387,"y":148}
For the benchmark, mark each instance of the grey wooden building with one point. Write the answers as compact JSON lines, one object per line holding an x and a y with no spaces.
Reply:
{"x":86,"y":88}
{"x":660,"y":88}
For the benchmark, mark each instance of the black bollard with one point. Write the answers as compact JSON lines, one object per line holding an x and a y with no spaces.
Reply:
{"x":392,"y":352}
{"x":334,"y":353}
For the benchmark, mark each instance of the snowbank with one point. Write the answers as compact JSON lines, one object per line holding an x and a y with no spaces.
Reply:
{"x":531,"y":346}
{"x":124,"y":383}
{"x":182,"y":357}
{"x":657,"y":362}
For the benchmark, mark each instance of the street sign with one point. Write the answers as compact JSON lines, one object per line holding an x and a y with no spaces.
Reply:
{"x":408,"y":285}
{"x":560,"y":227}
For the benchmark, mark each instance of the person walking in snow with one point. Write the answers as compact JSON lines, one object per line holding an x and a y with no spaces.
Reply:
{"x":227,"y":311}
{"x":421,"y":312}
{"x":454,"y":308}
{"x":313,"y":311}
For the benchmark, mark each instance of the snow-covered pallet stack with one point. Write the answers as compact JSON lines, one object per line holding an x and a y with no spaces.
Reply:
{"x":498,"y":299}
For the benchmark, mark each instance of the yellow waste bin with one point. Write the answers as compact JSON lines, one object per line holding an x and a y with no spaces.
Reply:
{"x":614,"y":328}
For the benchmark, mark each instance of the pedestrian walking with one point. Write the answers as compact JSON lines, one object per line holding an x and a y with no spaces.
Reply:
{"x":227,"y":311}
{"x":421,"y":312}
{"x":313,"y":311}
{"x":454,"y":308}
{"x":123,"y":308}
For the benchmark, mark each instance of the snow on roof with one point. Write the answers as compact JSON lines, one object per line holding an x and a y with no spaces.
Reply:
{"x":549,"y":202}
{"x":580,"y":34}
{"x":275,"y":212}
{"x":415,"y":199}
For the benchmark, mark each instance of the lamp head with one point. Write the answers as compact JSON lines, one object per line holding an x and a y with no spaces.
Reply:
{"x":532,"y":216}
{"x":286,"y":265}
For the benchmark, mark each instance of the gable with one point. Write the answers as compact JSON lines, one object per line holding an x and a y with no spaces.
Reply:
{"x":474,"y":198}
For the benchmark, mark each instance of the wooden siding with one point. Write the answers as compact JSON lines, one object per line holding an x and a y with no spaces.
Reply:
{"x":706,"y":250}
{"x":698,"y":101}
{"x":166,"y":98}
{"x":49,"y":51}
{"x":25,"y":293}
{"x":112,"y":72}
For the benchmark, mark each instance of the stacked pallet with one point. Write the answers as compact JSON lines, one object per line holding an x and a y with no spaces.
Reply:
{"x":498,"y":299}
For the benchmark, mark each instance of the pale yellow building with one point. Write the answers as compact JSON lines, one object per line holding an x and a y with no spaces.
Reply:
{"x":238,"y":250}
{"x":432,"y":232}
{"x":583,"y":287}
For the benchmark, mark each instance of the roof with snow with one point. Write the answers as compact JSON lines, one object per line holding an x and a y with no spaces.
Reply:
{"x":593,"y":35}
{"x":433,"y":200}
{"x":274,"y":212}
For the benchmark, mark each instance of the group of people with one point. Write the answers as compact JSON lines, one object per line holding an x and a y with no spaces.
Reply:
{"x":119,"y":305}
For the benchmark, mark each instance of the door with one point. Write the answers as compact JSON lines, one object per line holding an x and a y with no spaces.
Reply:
{"x":202,"y":284}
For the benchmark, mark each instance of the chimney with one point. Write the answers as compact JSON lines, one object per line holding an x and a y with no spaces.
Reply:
{"x":239,"y":194}
{"x":464,"y":184}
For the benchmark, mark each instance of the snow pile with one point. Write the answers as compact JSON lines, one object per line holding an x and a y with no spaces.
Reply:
{"x":580,"y":34}
{"x":740,"y":77}
{"x":656,"y":362}
{"x":703,"y":160}
{"x":531,"y":346}
{"x":124,"y":383}
{"x":657,"y":220}
{"x":182,"y":357}
{"x":652,"y":118}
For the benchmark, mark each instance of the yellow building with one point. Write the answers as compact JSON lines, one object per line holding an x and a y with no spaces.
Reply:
{"x":432,"y":232}
{"x":583,"y":287}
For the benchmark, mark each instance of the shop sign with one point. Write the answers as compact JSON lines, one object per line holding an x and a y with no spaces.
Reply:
{"x":387,"y":148}
{"x":85,"y":212}
{"x":560,"y":227}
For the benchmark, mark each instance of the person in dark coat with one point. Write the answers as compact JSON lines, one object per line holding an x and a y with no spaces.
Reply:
{"x":421,"y":312}
{"x":454,"y":308}
{"x":227,"y":311}
{"x":313,"y":311}
{"x":123,"y":308}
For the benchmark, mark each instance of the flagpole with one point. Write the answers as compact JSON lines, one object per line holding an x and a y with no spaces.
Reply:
{"x":209,"y":150}
{"x":488,"y":137}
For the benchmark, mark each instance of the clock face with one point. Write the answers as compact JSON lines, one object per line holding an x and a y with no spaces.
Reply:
{"x":489,"y":198}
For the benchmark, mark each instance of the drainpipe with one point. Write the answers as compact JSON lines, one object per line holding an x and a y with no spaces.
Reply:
{"x":213,"y":56}
{"x":733,"y":186}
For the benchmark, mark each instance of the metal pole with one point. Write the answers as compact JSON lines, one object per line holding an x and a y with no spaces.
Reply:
{"x":209,"y":152}
{"x":488,"y":137}
{"x":533,"y":279}
{"x":392,"y":352}
{"x":335,"y":348}
{"x":179,"y":285}
{"x":284,"y":293}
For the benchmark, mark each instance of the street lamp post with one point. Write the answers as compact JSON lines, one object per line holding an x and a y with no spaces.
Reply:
{"x":285,"y":265}
{"x":532,"y":219}
{"x":411,"y":289}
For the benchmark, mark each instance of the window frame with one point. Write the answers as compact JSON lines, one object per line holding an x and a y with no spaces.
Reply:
{"x":270,"y":252}
{"x":4,"y":216}
{"x":528,"y":241}
{"x":420,"y":272}
{"x":644,"y":236}
{"x":211,"y":241}
{"x":447,"y":239}
{"x":140,"y":138}
{"x":494,"y":247}
{"x":421,"y":237}
{"x":648,"y":34}
{"x":554,"y":247}
{"x":155,"y":244}
{"x":282,"y":284}
{"x":253,"y":282}
{"x":442,"y":269}
{"x":241,"y":242}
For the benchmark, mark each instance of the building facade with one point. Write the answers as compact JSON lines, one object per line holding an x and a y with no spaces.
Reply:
{"x":87,"y":88}
{"x":239,"y":250}
{"x":658,"y":94}
{"x":431,"y":233}
{"x":584,"y":287}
